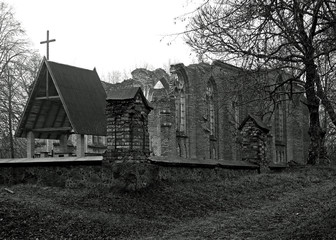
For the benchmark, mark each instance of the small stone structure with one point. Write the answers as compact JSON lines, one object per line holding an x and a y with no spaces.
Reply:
{"x":128,"y":138}
{"x":254,"y":136}
{"x":127,"y":126}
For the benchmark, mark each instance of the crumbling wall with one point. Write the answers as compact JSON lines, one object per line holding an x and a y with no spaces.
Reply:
{"x":254,"y":144}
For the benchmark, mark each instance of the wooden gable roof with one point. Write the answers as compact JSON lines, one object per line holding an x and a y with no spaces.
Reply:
{"x":127,"y":94}
{"x":64,"y":99}
{"x":257,"y":121}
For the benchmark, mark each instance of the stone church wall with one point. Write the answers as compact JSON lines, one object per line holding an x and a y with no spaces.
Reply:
{"x":162,"y":127}
{"x":235,"y":86}
{"x":297,"y":128}
{"x":200,"y":143}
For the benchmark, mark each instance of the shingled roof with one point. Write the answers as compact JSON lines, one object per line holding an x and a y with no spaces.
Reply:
{"x":127,"y":94}
{"x":256,"y":121}
{"x":72,"y":100}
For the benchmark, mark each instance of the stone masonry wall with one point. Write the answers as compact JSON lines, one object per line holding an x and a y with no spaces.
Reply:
{"x":254,"y":145}
{"x":127,"y":176}
{"x":297,"y":129}
{"x":154,"y":130}
{"x":162,"y":127}
{"x":127,"y":131}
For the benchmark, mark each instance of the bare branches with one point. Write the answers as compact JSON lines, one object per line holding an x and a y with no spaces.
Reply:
{"x":273,"y":34}
{"x":17,"y":71}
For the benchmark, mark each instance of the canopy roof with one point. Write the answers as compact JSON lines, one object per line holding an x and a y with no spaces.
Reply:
{"x":64,"y":100}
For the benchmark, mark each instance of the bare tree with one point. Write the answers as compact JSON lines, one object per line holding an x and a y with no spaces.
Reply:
{"x":273,"y":34}
{"x":17,"y":71}
{"x":113,"y":77}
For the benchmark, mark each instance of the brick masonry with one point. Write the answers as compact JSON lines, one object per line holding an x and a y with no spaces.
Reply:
{"x":254,"y":144}
{"x":127,"y":130}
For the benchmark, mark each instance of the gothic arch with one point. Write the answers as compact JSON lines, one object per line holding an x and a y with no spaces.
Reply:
{"x":178,"y":71}
{"x":280,"y":121}
{"x":164,"y":83}
{"x":180,"y":86}
{"x":212,"y":106}
{"x":212,"y":101}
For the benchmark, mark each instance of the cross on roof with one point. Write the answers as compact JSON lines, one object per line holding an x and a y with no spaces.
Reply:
{"x":47,"y":42}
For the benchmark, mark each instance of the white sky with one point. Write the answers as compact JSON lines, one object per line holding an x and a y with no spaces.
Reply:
{"x":106,"y":34}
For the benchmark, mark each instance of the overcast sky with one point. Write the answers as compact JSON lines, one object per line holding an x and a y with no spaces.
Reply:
{"x":106,"y":34}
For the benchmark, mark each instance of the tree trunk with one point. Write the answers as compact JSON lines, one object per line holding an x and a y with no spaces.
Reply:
{"x":10,"y":115}
{"x":315,"y":131}
{"x":10,"y":128}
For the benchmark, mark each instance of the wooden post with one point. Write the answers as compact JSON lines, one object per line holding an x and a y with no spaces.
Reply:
{"x":64,"y":143}
{"x":80,"y":150}
{"x":30,"y":144}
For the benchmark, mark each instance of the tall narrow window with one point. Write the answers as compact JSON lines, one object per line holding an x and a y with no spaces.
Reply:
{"x":279,"y":121}
{"x":177,"y":111}
{"x":183,"y":112}
{"x":180,"y":104}
{"x":211,"y":105}
{"x":280,"y":130}
{"x":236,"y":114}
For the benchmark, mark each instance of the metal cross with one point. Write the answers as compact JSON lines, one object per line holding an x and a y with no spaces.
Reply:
{"x":47,"y":42}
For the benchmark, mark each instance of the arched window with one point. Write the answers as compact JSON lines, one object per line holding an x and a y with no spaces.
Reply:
{"x":279,"y":117}
{"x":211,"y":105}
{"x":279,"y":121}
{"x":280,"y":130}
{"x":180,"y":103}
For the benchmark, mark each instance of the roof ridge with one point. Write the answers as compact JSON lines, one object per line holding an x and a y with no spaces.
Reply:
{"x":67,"y":65}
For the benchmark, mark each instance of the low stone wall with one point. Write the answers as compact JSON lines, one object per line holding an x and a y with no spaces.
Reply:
{"x":129,"y":176}
{"x":170,"y":173}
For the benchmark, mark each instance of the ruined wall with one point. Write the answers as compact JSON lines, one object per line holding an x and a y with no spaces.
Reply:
{"x":161,"y":127}
{"x":154,"y":129}
{"x":223,"y":141}
{"x":254,"y":141}
{"x":297,"y":131}
{"x":235,"y":90}
{"x":201,"y":143}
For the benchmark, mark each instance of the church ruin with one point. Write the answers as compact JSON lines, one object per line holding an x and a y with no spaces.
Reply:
{"x":197,"y":112}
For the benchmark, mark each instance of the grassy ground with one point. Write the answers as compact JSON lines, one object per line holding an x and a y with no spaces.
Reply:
{"x":297,"y":204}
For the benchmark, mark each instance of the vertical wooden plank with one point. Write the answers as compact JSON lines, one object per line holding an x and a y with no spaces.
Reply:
{"x":80,"y":151}
{"x":30,"y":145}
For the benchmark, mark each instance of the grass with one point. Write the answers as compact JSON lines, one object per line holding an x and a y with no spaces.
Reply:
{"x":297,"y":204}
